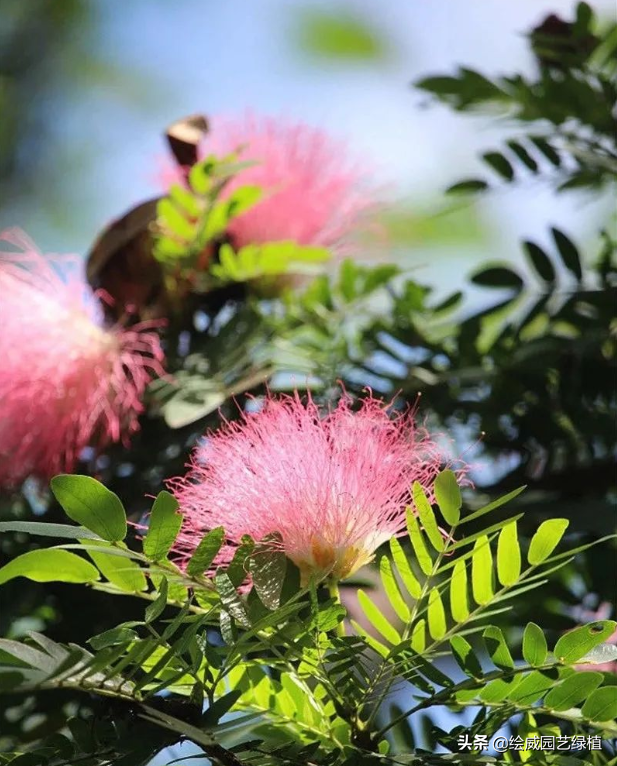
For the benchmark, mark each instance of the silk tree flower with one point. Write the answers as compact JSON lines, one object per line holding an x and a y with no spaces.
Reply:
{"x":66,"y":382}
{"x":313,"y":193}
{"x":333,"y":485}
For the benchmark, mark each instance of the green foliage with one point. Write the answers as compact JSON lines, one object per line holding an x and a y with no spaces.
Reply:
{"x":283,"y":673}
{"x":266,"y":261}
{"x":565,"y":110}
{"x":88,"y":502}
{"x":270,"y":672}
{"x":49,"y":566}
{"x":191,"y":233}
{"x":338,"y":36}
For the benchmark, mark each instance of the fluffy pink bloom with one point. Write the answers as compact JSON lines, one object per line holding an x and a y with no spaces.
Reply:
{"x":66,"y":382}
{"x":313,"y":194}
{"x":333,"y":485}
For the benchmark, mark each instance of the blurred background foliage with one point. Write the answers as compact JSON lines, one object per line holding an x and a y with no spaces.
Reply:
{"x":499,"y":306}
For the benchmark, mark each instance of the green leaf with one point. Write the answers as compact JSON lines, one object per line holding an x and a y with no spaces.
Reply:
{"x":27,"y":655}
{"x":572,"y":690}
{"x":119,"y":570}
{"x":376,"y":645}
{"x":243,"y":198}
{"x":339,"y":35}
{"x":468,"y":186}
{"x":185,"y":200}
{"x":436,"y":615}
{"x":418,"y":636}
{"x":163,"y":528}
{"x":523,"y":155}
{"x":392,"y":590}
{"x":427,"y":517}
{"x":237,"y":569}
{"x":465,"y":657}
{"x":200,"y":177}
{"x":602,"y":704}
{"x":219,"y":708}
{"x":329,"y":617}
{"x":230,"y":598}
{"x":497,"y":647}
{"x":578,"y":642}
{"x":508,"y":555}
{"x":402,"y":565}
{"x":113,"y":637}
{"x":482,"y":571}
{"x":205,"y":552}
{"x":531,"y":688}
{"x":498,"y":690}
{"x":458,"y":592}
{"x":547,"y":150}
{"x":498,"y":277}
{"x":174,"y":220}
{"x":499,"y":164}
{"x":546,"y":539}
{"x":534,"y":645}
{"x":600,"y":654}
{"x":268,"y":567}
{"x":419,"y":546}
{"x":448,"y":496}
{"x":540,"y":261}
{"x":157,"y":607}
{"x":86,"y":501}
{"x":48,"y":529}
{"x":569,"y":254}
{"x":377,"y":619}
{"x":49,"y":565}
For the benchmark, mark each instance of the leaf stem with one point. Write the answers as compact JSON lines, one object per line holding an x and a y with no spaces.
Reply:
{"x":335,"y":593}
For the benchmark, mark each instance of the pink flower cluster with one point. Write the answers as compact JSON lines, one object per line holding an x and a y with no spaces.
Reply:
{"x":313,"y":194}
{"x":334,"y":485}
{"x":66,"y":382}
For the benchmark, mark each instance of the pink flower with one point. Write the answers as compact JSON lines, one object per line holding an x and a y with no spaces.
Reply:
{"x":334,"y":485}
{"x":66,"y":382}
{"x":313,"y":194}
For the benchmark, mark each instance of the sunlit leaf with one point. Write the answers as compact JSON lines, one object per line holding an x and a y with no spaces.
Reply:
{"x":546,"y":539}
{"x":601,"y":704}
{"x":86,"y":501}
{"x":465,"y":656}
{"x":49,"y":565}
{"x":448,"y":496}
{"x":163,"y":526}
{"x":392,"y":590}
{"x":482,"y":571}
{"x":339,"y":35}
{"x":535,"y":648}
{"x":204,"y":554}
{"x":572,"y":690}
{"x":404,"y":569}
{"x":377,"y":619}
{"x":436,"y":615}
{"x":576,"y":643}
{"x":427,"y":517}
{"x":508,"y":555}
{"x":119,"y":570}
{"x":497,"y":647}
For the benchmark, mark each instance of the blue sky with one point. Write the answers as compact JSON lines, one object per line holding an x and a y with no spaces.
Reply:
{"x":198,"y":55}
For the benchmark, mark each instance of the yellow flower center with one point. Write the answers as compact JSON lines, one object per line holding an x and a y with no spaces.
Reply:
{"x":322,"y":559}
